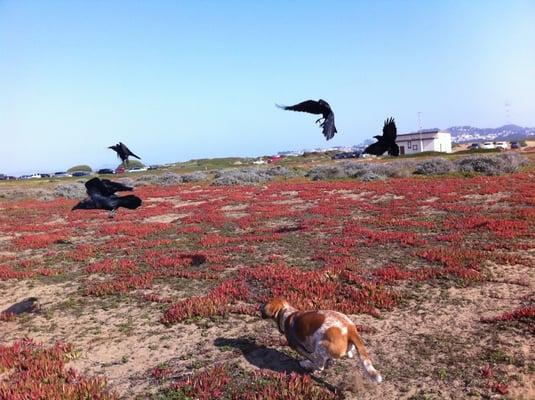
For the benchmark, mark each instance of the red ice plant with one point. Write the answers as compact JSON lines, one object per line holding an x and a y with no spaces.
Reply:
{"x":31,"y":371}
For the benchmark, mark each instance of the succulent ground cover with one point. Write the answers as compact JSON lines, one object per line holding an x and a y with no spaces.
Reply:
{"x":438,"y":273}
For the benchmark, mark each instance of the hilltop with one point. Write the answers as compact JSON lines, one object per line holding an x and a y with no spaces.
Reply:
{"x":466,"y":133}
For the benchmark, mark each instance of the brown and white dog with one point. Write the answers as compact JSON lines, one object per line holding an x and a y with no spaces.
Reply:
{"x":319,"y":335}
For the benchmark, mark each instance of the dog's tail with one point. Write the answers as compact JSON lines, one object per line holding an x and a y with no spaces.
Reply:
{"x":356,"y":340}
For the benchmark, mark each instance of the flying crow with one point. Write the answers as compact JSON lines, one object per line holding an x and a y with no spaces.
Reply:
{"x":123,"y":152}
{"x":317,"y":107}
{"x":385,"y":143}
{"x":102,"y":196}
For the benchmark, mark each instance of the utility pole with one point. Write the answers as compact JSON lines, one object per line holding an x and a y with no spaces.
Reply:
{"x":507,"y":112}
{"x":420,"y":130}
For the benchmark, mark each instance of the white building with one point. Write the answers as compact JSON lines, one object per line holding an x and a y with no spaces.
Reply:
{"x":425,"y":140}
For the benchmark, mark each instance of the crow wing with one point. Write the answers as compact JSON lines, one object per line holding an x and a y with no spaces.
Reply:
{"x":329,"y":129}
{"x":113,"y":187}
{"x":127,"y":151}
{"x":95,"y":186}
{"x":377,"y":149}
{"x":119,"y":150}
{"x":309,"y":106}
{"x":390,"y":131}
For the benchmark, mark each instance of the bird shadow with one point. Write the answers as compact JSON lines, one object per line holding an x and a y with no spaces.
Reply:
{"x":268,"y":358}
{"x":288,"y":229}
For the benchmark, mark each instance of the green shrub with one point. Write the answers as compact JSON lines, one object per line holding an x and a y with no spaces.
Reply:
{"x":80,"y":168}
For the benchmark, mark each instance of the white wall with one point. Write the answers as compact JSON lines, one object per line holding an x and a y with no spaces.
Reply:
{"x":441,"y":142}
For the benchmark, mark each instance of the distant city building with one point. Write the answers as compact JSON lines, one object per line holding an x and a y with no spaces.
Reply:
{"x":290,"y":153}
{"x":425,"y":140}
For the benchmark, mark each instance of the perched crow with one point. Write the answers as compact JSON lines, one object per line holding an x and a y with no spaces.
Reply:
{"x":385,"y":143}
{"x":123,"y":152}
{"x":26,"y":305}
{"x":317,"y":107}
{"x":102,"y":196}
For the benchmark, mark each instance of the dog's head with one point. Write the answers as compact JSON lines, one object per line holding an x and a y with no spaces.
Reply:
{"x":272,"y":308}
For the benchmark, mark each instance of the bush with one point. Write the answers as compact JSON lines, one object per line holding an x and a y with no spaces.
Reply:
{"x":196,"y":176}
{"x":434,"y":166}
{"x":492,"y":165}
{"x":70,"y":191}
{"x":134,"y":164}
{"x":80,"y":168}
{"x":27,"y":193}
{"x":250,"y":175}
{"x":324,"y":172}
{"x":371,"y":176}
{"x":167,"y":179}
{"x":364,"y":171}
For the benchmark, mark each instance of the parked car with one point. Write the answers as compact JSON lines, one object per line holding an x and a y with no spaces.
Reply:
{"x":80,"y":173}
{"x":3,"y":177}
{"x":501,"y":145}
{"x":488,"y":145}
{"x":515,"y":145}
{"x":155,"y":166}
{"x":62,"y":174}
{"x":348,"y":154}
{"x":474,"y":146}
{"x":104,"y":171}
{"x":45,"y":175}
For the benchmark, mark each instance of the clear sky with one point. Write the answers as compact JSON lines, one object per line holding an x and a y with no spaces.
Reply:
{"x":190,"y":79}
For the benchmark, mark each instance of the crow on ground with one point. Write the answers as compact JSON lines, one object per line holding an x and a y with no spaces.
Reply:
{"x":386,"y":142}
{"x":123,"y":152}
{"x":102,"y":196}
{"x":317,"y":107}
{"x":26,"y":305}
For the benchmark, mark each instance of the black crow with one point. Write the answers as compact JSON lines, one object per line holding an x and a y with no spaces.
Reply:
{"x":385,"y":143}
{"x":113,"y":187}
{"x":26,"y":305}
{"x":317,"y":107}
{"x":102,"y":196}
{"x":123,"y":152}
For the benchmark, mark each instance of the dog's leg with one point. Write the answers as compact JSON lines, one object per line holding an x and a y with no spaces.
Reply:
{"x":315,"y":361}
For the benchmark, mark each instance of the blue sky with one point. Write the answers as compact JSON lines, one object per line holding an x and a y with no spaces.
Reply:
{"x":191,"y":79}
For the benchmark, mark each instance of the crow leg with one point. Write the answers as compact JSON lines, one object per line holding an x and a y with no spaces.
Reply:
{"x":112,"y":214}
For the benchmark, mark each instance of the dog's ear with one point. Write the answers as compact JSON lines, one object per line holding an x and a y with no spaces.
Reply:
{"x":274,"y":306}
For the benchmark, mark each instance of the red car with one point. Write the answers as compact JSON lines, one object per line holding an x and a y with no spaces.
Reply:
{"x":274,"y":159}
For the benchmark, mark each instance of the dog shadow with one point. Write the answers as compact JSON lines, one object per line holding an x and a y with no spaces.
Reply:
{"x":261,"y":356}
{"x":267,"y":358}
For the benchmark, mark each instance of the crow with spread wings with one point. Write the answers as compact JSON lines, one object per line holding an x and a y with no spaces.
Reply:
{"x":123,"y":152}
{"x":385,"y":143}
{"x":102,"y":196}
{"x":317,"y":107}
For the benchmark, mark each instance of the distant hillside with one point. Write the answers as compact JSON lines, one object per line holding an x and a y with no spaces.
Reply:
{"x":461,"y":134}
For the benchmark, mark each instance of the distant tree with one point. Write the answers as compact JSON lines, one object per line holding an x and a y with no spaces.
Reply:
{"x":85,"y":168}
{"x":134,"y":164}
{"x":523,"y":143}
